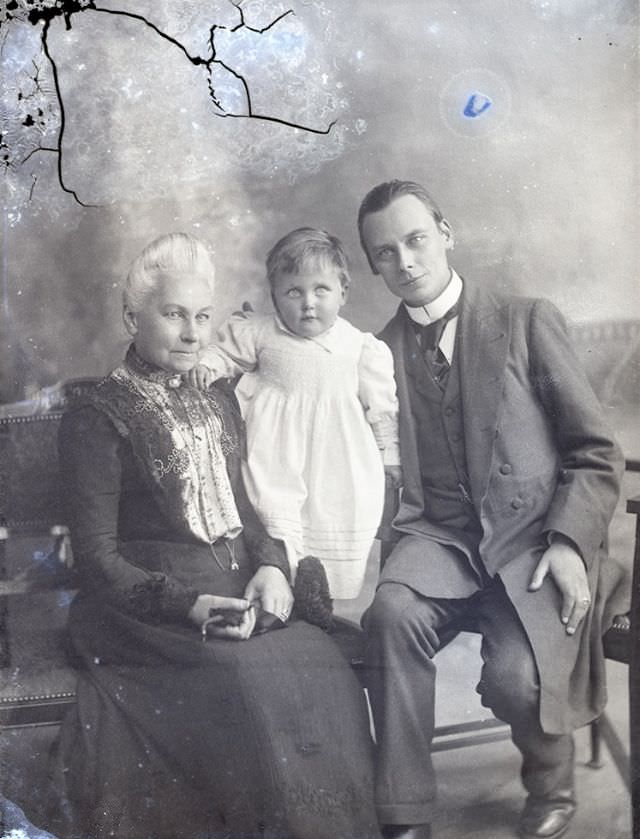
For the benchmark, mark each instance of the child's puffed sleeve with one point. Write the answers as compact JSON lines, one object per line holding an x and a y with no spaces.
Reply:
{"x":377,"y":393}
{"x":235,"y":348}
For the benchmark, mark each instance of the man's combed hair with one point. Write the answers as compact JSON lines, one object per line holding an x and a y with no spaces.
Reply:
{"x":382,"y":195}
{"x":174,"y":253}
{"x":307,"y":248}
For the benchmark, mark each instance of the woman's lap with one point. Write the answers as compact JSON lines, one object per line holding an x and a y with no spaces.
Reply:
{"x":273,"y":730}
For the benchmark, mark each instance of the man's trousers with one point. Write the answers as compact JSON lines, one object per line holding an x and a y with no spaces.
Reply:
{"x":404,"y":631}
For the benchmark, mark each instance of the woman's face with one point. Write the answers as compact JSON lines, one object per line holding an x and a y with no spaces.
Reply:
{"x":174,"y":323}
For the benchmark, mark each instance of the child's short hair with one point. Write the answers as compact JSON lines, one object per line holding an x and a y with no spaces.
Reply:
{"x":172,"y":253}
{"x":307,"y":248}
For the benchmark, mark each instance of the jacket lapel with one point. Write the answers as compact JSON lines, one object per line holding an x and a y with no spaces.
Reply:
{"x":483,"y":336}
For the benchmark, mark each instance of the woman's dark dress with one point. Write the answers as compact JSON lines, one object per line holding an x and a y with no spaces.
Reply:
{"x":173,"y":737}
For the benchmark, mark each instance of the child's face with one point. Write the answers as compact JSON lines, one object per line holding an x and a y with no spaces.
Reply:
{"x":309,"y":302}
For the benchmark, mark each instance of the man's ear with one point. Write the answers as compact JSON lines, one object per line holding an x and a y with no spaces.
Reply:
{"x":447,"y":232}
{"x":130,"y":320}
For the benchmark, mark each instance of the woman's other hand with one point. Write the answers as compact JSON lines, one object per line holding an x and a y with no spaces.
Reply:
{"x":205,"y":608}
{"x":200,"y":376}
{"x":269,"y":585}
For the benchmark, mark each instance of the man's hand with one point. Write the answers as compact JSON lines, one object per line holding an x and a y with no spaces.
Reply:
{"x":567,"y":570}
{"x":204,"y":611}
{"x":270,"y":587}
{"x":200,"y":376}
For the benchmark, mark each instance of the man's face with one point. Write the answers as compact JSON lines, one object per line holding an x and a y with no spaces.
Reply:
{"x":409,"y":249}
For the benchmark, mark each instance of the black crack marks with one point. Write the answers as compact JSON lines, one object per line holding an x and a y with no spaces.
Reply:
{"x":43,"y":12}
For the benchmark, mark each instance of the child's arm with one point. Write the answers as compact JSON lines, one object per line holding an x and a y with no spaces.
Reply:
{"x":233,"y":352}
{"x":377,"y":393}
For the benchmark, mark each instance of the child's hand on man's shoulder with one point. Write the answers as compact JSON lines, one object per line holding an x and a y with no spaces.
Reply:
{"x":393,"y":476}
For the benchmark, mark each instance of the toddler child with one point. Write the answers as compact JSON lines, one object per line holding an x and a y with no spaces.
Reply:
{"x":322,"y":417}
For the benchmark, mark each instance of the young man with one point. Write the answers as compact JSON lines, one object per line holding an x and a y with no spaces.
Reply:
{"x":510,"y":479}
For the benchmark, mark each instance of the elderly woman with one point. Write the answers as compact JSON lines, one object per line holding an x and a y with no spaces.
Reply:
{"x":190,"y":720}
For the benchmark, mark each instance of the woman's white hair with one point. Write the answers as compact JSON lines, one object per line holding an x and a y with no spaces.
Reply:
{"x":169,"y":254}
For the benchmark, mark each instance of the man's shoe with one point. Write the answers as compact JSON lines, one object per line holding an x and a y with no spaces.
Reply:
{"x":406,"y":831}
{"x":547,"y":818}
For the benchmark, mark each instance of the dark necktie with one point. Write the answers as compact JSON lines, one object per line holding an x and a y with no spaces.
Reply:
{"x":429,"y":336}
{"x":431,"y":333}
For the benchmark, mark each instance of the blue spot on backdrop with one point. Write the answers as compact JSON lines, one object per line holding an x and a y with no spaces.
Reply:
{"x":476,"y":105}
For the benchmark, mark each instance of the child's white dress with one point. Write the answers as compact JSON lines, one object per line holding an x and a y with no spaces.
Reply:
{"x":319,"y":413}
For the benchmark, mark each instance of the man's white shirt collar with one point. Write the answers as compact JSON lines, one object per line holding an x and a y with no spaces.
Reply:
{"x":440,"y":306}
{"x":436,"y":309}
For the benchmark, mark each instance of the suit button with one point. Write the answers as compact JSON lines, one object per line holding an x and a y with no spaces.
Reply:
{"x":517,"y":503}
{"x":449,"y":411}
{"x":455,"y":437}
{"x":505,"y":469}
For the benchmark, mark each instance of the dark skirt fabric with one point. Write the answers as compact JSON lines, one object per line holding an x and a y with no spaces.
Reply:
{"x":175,"y":737}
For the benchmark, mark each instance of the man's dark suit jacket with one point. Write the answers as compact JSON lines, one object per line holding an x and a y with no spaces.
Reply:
{"x":540,"y":459}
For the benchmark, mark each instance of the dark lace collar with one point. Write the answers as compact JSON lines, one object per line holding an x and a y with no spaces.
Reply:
{"x":151,"y":372}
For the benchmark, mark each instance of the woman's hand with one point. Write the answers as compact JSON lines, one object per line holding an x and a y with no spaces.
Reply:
{"x":270,"y":587}
{"x":205,"y":608}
